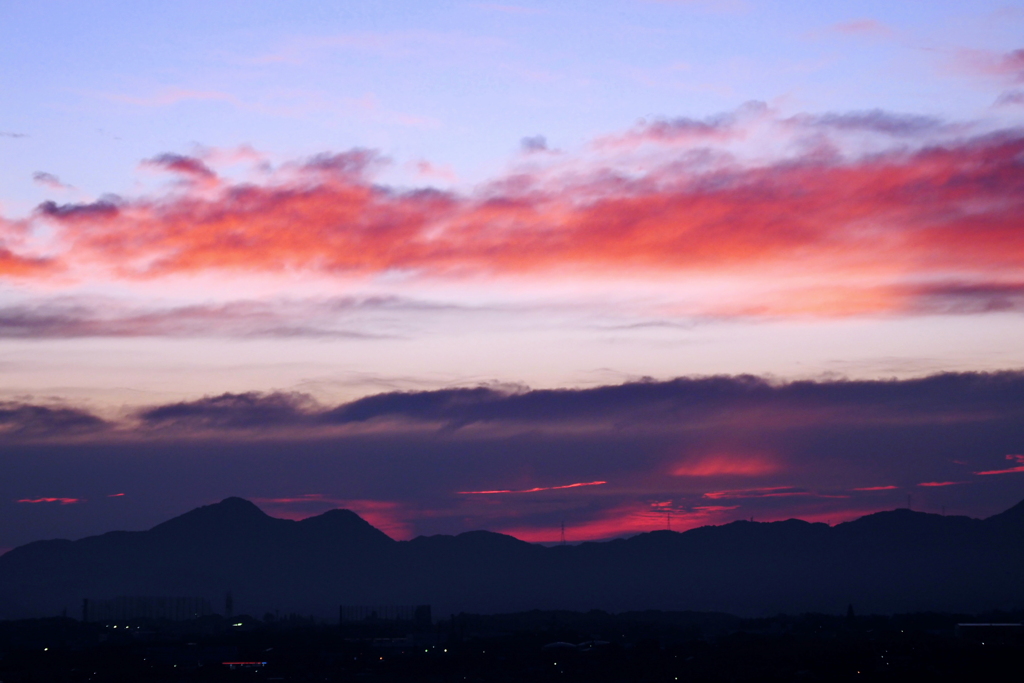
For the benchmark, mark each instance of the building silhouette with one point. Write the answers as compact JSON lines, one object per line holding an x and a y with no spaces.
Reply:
{"x":369,"y":614}
{"x":126,"y":608}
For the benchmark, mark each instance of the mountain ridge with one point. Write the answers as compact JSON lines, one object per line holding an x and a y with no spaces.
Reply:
{"x":895,"y":560}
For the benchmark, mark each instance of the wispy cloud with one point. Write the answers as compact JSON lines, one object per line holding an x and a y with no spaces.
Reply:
{"x":178,"y":163}
{"x":1009,"y":470}
{"x":871,"y":28}
{"x":49,"y":180}
{"x":341,"y":318}
{"x":1008,"y":66}
{"x":764,"y":492}
{"x":62,"y":501}
{"x":536,"y":488}
{"x":728,"y":464}
{"x":170,"y":96}
{"x":509,"y":9}
{"x":1010,"y":98}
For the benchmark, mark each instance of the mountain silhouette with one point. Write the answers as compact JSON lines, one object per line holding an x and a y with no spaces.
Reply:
{"x":894,"y":561}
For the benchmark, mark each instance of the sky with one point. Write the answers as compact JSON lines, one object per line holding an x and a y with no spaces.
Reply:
{"x":621,"y":265}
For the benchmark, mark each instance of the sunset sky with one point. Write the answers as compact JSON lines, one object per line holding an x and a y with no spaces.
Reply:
{"x":460,"y":265}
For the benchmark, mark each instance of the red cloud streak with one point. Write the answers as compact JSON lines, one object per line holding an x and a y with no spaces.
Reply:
{"x":539,"y":488}
{"x":1010,"y":470}
{"x":945,"y":212}
{"x":727,"y":464}
{"x":62,"y":501}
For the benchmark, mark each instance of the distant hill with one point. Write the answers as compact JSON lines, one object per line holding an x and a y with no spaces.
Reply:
{"x":896,"y":561}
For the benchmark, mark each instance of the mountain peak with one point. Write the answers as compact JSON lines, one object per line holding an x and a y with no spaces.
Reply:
{"x":236,"y":503}
{"x":229,"y":514}
{"x":341,"y":523}
{"x":1014,"y":514}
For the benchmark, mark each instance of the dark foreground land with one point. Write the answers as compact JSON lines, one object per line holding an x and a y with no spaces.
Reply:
{"x":530,"y":646}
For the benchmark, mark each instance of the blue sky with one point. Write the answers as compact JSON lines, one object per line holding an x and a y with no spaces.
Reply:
{"x":97,"y":86}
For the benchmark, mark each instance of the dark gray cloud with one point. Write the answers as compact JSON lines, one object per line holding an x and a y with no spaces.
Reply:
{"x":534,"y":143}
{"x":179,"y":163}
{"x":874,"y":121}
{"x":710,"y":126}
{"x":755,"y":401}
{"x":869,"y":121}
{"x":353,"y":163}
{"x":9,"y":134}
{"x":25,"y":420}
{"x":102,"y":208}
{"x":234,"y":411}
{"x":677,"y":400}
{"x":968,"y":298}
{"x":63,"y":319}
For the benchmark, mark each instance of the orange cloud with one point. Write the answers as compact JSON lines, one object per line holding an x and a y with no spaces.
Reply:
{"x":941,"y":483}
{"x":876,"y":488}
{"x":749,"y":465}
{"x":20,"y":265}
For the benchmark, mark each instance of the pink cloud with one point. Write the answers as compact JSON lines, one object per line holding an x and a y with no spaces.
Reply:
{"x":863,"y":27}
{"x":509,"y":9}
{"x":769,"y":492}
{"x":428,"y":170}
{"x":763,"y":492}
{"x":62,"y":501}
{"x":622,"y":521}
{"x":860,"y":229}
{"x":749,"y":464}
{"x":49,"y":180}
{"x":941,"y":483}
{"x":170,"y":96}
{"x":1008,"y":66}
{"x":539,"y":488}
{"x":876,"y":488}
{"x":1012,"y":458}
{"x":181,"y":164}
